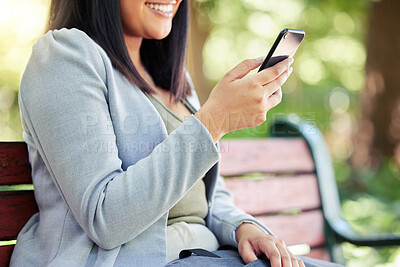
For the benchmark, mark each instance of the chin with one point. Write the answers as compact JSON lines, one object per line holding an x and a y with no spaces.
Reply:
{"x":160,"y":35}
{"x":159,"y":31}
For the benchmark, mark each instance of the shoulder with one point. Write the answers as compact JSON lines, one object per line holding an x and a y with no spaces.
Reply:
{"x":64,"y":41}
{"x":65,"y":61}
{"x":62,"y":55}
{"x":61,"y":49}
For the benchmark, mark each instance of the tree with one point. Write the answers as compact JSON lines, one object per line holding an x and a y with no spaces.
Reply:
{"x":378,"y":135}
{"x":198,"y":34}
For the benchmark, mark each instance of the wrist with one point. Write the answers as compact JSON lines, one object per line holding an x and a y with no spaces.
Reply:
{"x":242,"y":228}
{"x":246,"y":229}
{"x":212,"y":122}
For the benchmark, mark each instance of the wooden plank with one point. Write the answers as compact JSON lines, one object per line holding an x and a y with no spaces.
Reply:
{"x":273,"y":155}
{"x":5,"y":255}
{"x":14,"y":164}
{"x":319,"y":253}
{"x":303,"y":228}
{"x":273,"y":195}
{"x":16,"y":208}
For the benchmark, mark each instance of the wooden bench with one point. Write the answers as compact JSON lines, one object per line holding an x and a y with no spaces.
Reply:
{"x":286,"y":181}
{"x":274,"y":180}
{"x":16,"y":205}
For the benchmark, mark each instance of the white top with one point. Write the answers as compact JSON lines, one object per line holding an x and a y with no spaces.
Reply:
{"x":182,"y":235}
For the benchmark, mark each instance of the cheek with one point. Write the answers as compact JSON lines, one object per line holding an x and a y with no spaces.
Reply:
{"x":124,"y":10}
{"x":129,"y":12}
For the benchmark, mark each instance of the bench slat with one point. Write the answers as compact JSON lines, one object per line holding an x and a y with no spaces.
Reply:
{"x":273,"y":195}
{"x":319,"y":253}
{"x":14,"y":164}
{"x":272,"y":155}
{"x":306,"y":227}
{"x":16,"y":207}
{"x":5,"y":255}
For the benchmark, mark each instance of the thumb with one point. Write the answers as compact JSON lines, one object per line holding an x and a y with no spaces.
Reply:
{"x":243,"y":68}
{"x":247,"y":253}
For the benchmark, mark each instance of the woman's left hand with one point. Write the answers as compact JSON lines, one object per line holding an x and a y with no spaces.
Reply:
{"x":253,"y":242}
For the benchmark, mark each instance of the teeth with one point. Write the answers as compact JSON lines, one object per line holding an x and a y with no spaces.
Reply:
{"x":162,"y":8}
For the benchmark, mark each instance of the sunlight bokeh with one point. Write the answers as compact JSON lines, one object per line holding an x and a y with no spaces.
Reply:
{"x":21,"y":23}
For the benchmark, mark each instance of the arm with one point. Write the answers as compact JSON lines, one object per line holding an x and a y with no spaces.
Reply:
{"x":65,"y":81}
{"x":226,"y":217}
{"x":234,"y":227}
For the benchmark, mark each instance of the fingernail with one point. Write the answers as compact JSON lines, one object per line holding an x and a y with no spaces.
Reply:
{"x":291,"y":61}
{"x":290,"y":70}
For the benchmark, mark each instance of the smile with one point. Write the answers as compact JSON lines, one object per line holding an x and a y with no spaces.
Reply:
{"x":162,"y":9}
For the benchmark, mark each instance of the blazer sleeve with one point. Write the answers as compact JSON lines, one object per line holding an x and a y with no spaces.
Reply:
{"x":66,"y":79}
{"x":226,"y":217}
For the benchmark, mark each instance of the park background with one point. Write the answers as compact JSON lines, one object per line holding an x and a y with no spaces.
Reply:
{"x":346,"y":81}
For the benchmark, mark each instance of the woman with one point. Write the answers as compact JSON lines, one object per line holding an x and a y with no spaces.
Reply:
{"x":124,"y":161}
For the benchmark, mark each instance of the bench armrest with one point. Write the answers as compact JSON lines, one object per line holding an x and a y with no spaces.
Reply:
{"x":336,"y":227}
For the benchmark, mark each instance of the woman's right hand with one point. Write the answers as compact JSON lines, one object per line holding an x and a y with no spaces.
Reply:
{"x":238,"y":102}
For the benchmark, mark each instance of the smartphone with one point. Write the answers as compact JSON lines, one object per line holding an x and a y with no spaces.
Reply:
{"x":285,"y":46}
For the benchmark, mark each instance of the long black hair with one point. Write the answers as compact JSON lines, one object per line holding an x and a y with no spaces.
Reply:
{"x":100,"y":19}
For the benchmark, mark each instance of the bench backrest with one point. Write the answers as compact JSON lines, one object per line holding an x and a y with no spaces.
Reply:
{"x":273,"y":179}
{"x":16,"y":205}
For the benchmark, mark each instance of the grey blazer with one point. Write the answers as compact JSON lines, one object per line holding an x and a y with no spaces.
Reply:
{"x":104,"y":170}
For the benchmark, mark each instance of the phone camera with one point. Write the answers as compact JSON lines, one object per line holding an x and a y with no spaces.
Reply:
{"x":285,"y":35}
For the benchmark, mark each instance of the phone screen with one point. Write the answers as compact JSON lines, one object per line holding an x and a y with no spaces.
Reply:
{"x":285,"y":46}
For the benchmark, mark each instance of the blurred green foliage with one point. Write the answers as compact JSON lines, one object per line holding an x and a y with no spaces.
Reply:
{"x":324,"y":88}
{"x":329,"y":66}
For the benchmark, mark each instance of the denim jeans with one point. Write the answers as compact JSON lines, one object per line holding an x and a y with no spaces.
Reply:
{"x":231,"y":258}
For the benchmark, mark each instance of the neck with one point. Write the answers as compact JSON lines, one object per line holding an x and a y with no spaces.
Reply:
{"x":133,"y":45}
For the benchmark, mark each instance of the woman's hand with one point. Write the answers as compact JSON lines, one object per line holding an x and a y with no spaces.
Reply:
{"x":238,"y":102}
{"x":253,"y":242}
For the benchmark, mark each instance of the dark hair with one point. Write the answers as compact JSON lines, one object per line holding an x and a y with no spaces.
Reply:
{"x":100,"y":19}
